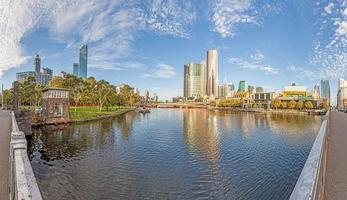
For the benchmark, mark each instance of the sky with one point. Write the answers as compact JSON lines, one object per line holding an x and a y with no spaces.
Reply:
{"x":145,"y":43}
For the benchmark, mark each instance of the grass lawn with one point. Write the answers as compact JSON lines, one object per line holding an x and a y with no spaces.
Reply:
{"x":89,"y":112}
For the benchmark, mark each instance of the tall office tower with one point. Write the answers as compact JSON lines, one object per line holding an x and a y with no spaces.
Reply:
{"x":75,"y":69}
{"x":259,"y":89}
{"x":194,"y":80}
{"x":242,"y":86}
{"x":37,"y":63}
{"x":341,"y":94}
{"x":316,"y":92}
{"x":83,"y":61}
{"x":212,"y":73}
{"x":146,"y":96}
{"x":325,"y":90}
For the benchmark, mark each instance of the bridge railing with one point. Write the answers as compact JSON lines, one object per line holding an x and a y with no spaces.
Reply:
{"x":310,"y":185}
{"x":23,"y":185}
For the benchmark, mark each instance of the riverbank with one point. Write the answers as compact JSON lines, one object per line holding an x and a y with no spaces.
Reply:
{"x":101,"y":116}
{"x":281,"y":111}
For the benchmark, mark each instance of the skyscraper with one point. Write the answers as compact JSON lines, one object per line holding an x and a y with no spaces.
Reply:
{"x":194,"y":80}
{"x":75,"y":69}
{"x":83,"y":61}
{"x":212,"y":73}
{"x":242,"y":86}
{"x":316,"y":92}
{"x":341,"y":94}
{"x":325,"y":90}
{"x":37,"y":63}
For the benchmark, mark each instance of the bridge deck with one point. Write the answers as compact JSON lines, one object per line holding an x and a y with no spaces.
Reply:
{"x":336,"y":166}
{"x":5,"y":130}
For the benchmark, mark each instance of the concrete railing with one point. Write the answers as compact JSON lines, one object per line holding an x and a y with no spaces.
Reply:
{"x":23,"y":185}
{"x":310,"y":185}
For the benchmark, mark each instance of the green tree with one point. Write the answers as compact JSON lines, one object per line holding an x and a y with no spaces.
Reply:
{"x":292,"y":104}
{"x":57,"y":81}
{"x":300,"y":105}
{"x":308,"y":105}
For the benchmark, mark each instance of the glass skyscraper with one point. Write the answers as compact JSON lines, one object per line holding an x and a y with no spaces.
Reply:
{"x":75,"y":69}
{"x":242,"y":86}
{"x":83,"y":61}
{"x":325,"y":90}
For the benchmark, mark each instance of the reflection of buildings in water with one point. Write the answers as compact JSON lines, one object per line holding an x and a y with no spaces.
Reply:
{"x":200,"y":130}
{"x":293,"y":124}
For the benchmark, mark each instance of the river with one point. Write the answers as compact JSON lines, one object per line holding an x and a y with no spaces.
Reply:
{"x":174,"y":154}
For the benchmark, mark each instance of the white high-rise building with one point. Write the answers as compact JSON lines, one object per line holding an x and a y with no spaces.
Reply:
{"x":212,"y":73}
{"x":341,"y":94}
{"x":195,"y":80}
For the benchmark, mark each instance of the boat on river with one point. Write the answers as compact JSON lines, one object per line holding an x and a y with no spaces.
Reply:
{"x":144,"y":110}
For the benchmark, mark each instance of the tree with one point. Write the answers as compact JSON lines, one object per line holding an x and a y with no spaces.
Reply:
{"x":308,"y":105}
{"x":276,"y":103}
{"x":57,"y":81}
{"x":101,"y":92}
{"x":292,"y":104}
{"x":300,"y":105}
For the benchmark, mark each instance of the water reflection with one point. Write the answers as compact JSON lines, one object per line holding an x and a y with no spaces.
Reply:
{"x":200,"y":130}
{"x":174,"y":154}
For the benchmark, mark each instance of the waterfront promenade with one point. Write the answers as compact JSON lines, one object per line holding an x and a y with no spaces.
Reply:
{"x":5,"y":138}
{"x":336,"y":165}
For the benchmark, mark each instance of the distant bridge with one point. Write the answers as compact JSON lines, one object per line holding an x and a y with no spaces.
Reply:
{"x":180,"y":105}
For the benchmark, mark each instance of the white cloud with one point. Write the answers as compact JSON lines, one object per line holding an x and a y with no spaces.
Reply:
{"x":172,"y":17}
{"x":109,"y":27}
{"x":329,"y":8}
{"x":256,"y":61}
{"x":161,"y":71}
{"x":305,"y":73}
{"x":228,"y":14}
{"x":330,"y":47}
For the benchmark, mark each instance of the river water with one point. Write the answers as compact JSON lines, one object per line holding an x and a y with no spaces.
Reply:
{"x":174,"y":154}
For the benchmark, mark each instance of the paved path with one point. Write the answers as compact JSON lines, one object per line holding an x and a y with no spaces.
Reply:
{"x":336,"y":169}
{"x":5,"y":129}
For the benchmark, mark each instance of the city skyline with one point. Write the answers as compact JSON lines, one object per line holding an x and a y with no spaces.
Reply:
{"x":272,"y":45}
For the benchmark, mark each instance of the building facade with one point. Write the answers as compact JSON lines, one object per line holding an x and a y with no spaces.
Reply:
{"x":212,"y":73}
{"x":76,"y":69}
{"x":41,"y":76}
{"x":342,"y":94}
{"x":195,"y":80}
{"x":316,"y":92}
{"x":294,"y":91}
{"x":259,"y":89}
{"x":242,"y":86}
{"x":83,"y":65}
{"x":325,"y":90}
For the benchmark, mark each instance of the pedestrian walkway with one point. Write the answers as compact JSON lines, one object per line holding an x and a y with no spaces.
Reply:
{"x":5,"y":137}
{"x":336,"y":166}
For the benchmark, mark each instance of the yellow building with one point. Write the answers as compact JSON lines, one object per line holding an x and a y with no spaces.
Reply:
{"x":294,"y":91}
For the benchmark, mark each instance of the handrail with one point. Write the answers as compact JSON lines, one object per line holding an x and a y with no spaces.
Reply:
{"x":23,"y":185}
{"x":311,"y":180}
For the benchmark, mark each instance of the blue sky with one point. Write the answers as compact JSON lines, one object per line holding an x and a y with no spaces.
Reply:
{"x":146,"y":43}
